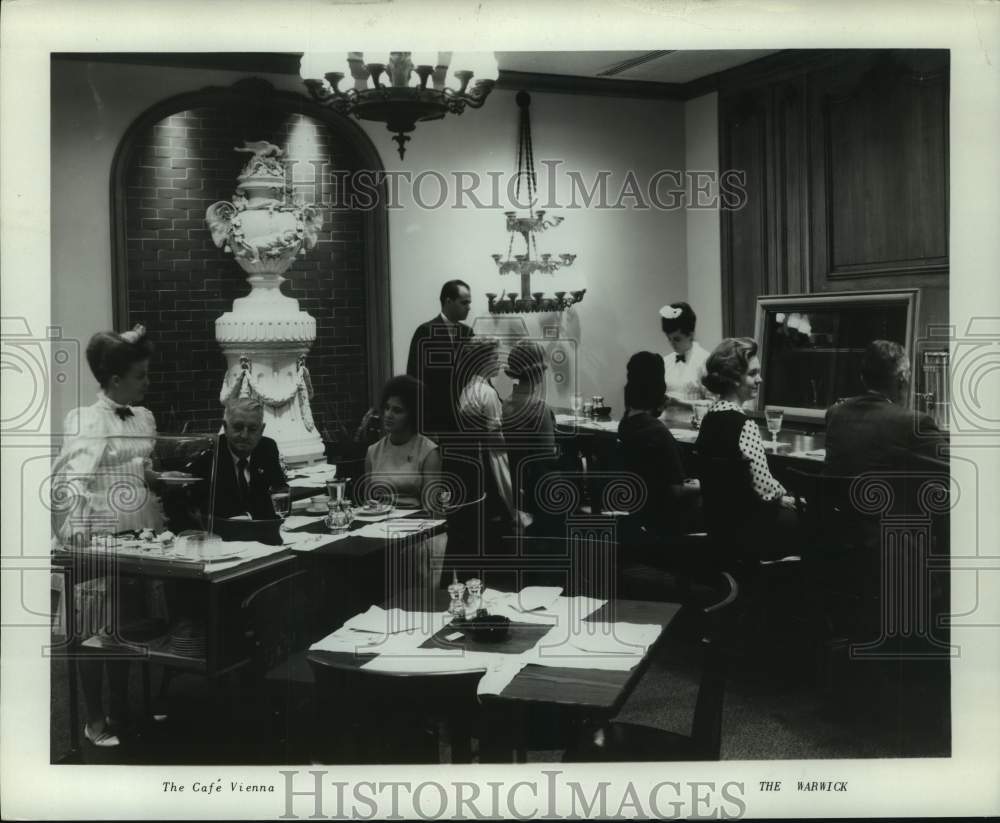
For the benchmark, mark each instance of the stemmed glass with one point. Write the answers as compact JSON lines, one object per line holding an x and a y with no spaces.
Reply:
{"x":577,"y":404}
{"x":281,"y":499}
{"x":774,"y":418}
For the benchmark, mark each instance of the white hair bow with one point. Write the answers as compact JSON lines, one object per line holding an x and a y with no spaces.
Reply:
{"x":670,"y":313}
{"x":133,"y":336}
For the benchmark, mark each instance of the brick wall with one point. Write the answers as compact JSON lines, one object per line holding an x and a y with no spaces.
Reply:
{"x":179,"y":282}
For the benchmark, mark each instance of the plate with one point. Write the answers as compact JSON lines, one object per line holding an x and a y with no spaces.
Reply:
{"x":374,"y":511}
{"x":311,"y":510}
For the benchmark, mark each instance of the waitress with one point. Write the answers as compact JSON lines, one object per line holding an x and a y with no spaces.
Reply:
{"x":685,"y":364}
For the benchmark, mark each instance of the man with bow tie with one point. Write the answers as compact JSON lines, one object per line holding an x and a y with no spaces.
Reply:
{"x":247,"y":464}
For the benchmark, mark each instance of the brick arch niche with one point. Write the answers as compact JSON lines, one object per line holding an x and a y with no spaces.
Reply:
{"x":173,"y":163}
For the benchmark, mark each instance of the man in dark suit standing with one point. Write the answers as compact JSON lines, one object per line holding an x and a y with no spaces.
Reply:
{"x":247,"y":464}
{"x":875,"y":431}
{"x":433,"y":354}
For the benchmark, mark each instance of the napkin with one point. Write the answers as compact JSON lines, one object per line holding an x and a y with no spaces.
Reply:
{"x":308,"y":482}
{"x":297,"y":521}
{"x":537,"y":597}
{"x":382,"y":621}
{"x":400,"y":527}
{"x":499,"y":673}
{"x":306,"y":542}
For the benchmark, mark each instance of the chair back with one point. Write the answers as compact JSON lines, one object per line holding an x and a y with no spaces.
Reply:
{"x":276,"y":621}
{"x":729,"y":503}
{"x":718,"y":621}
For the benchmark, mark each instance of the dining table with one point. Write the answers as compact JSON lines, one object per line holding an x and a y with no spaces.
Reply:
{"x":573,"y":667}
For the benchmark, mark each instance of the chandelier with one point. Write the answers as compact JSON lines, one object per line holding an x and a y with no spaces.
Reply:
{"x":529,"y":262}
{"x":400,"y":88}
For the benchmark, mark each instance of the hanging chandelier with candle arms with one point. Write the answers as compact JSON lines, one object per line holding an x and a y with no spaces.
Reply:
{"x":530,"y":262}
{"x":400,"y":88}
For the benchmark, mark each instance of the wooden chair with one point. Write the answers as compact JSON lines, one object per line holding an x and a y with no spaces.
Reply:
{"x":622,"y":741}
{"x":466,"y":532}
{"x":277,"y":621}
{"x":764,"y":555}
{"x":371,"y":717}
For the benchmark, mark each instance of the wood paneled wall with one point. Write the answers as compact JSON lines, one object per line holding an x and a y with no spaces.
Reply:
{"x":845,"y":156}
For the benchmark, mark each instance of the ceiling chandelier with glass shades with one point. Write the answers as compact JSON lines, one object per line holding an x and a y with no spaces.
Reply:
{"x":400,"y":88}
{"x":529,"y":262}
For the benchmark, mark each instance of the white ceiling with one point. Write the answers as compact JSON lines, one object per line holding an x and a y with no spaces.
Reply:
{"x":658,"y":67}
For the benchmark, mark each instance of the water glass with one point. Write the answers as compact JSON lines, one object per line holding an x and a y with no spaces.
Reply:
{"x":699,"y":408}
{"x":774,"y":418}
{"x":281,"y":499}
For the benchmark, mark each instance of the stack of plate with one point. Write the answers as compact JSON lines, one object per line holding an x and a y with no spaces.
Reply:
{"x":188,"y":639}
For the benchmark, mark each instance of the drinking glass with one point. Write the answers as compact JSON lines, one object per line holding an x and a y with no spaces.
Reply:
{"x":577,"y":404}
{"x":774,"y":418}
{"x":281,"y":499}
{"x":698,"y":411}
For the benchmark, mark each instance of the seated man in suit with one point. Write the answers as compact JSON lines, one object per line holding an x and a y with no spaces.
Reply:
{"x":433,"y":354}
{"x":247,"y":465}
{"x":876,"y":430}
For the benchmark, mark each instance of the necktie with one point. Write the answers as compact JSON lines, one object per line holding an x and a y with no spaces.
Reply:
{"x":241,"y":469}
{"x":123,"y":412}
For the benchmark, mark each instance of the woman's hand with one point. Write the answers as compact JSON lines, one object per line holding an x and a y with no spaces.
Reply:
{"x":788,"y":502}
{"x":359,"y":435}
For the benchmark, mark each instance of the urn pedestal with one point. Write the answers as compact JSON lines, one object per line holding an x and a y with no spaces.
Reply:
{"x":266,"y":337}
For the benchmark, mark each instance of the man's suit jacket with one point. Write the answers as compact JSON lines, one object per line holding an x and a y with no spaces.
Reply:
{"x":265,"y":472}
{"x":868,"y":433}
{"x":433,"y":353}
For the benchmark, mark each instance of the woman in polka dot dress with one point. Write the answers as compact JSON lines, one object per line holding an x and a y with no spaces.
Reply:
{"x":732,"y":372}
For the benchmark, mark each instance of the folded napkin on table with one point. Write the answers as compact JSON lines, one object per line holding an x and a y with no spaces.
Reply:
{"x":297,"y":521}
{"x":399,"y":527}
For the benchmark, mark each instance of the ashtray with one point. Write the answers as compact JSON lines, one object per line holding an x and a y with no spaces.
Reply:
{"x":487,"y":627}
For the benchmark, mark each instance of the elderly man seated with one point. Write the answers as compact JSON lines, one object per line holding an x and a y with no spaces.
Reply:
{"x":247,"y":464}
{"x":876,"y":430}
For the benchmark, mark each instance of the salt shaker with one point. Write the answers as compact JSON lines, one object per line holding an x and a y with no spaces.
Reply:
{"x":474,"y":586}
{"x":456,"y":591}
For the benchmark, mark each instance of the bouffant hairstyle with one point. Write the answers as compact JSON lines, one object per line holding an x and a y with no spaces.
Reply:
{"x":684,"y":322}
{"x":646,"y":386}
{"x":881,"y":364}
{"x":407,"y":390}
{"x":526,"y":361}
{"x":728,"y":363}
{"x":110,"y":354}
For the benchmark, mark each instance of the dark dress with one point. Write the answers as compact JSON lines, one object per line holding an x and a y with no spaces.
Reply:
{"x":650,"y":451}
{"x":740,"y":522}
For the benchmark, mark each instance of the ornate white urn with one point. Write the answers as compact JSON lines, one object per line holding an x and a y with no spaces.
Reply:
{"x":266,"y":338}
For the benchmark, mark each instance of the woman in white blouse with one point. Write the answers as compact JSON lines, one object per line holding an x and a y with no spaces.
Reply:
{"x":684,"y":366}
{"x":100,"y":487}
{"x":403,"y":461}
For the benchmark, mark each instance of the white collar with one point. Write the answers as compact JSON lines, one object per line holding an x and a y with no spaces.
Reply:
{"x":451,"y":323}
{"x":108,"y":403}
